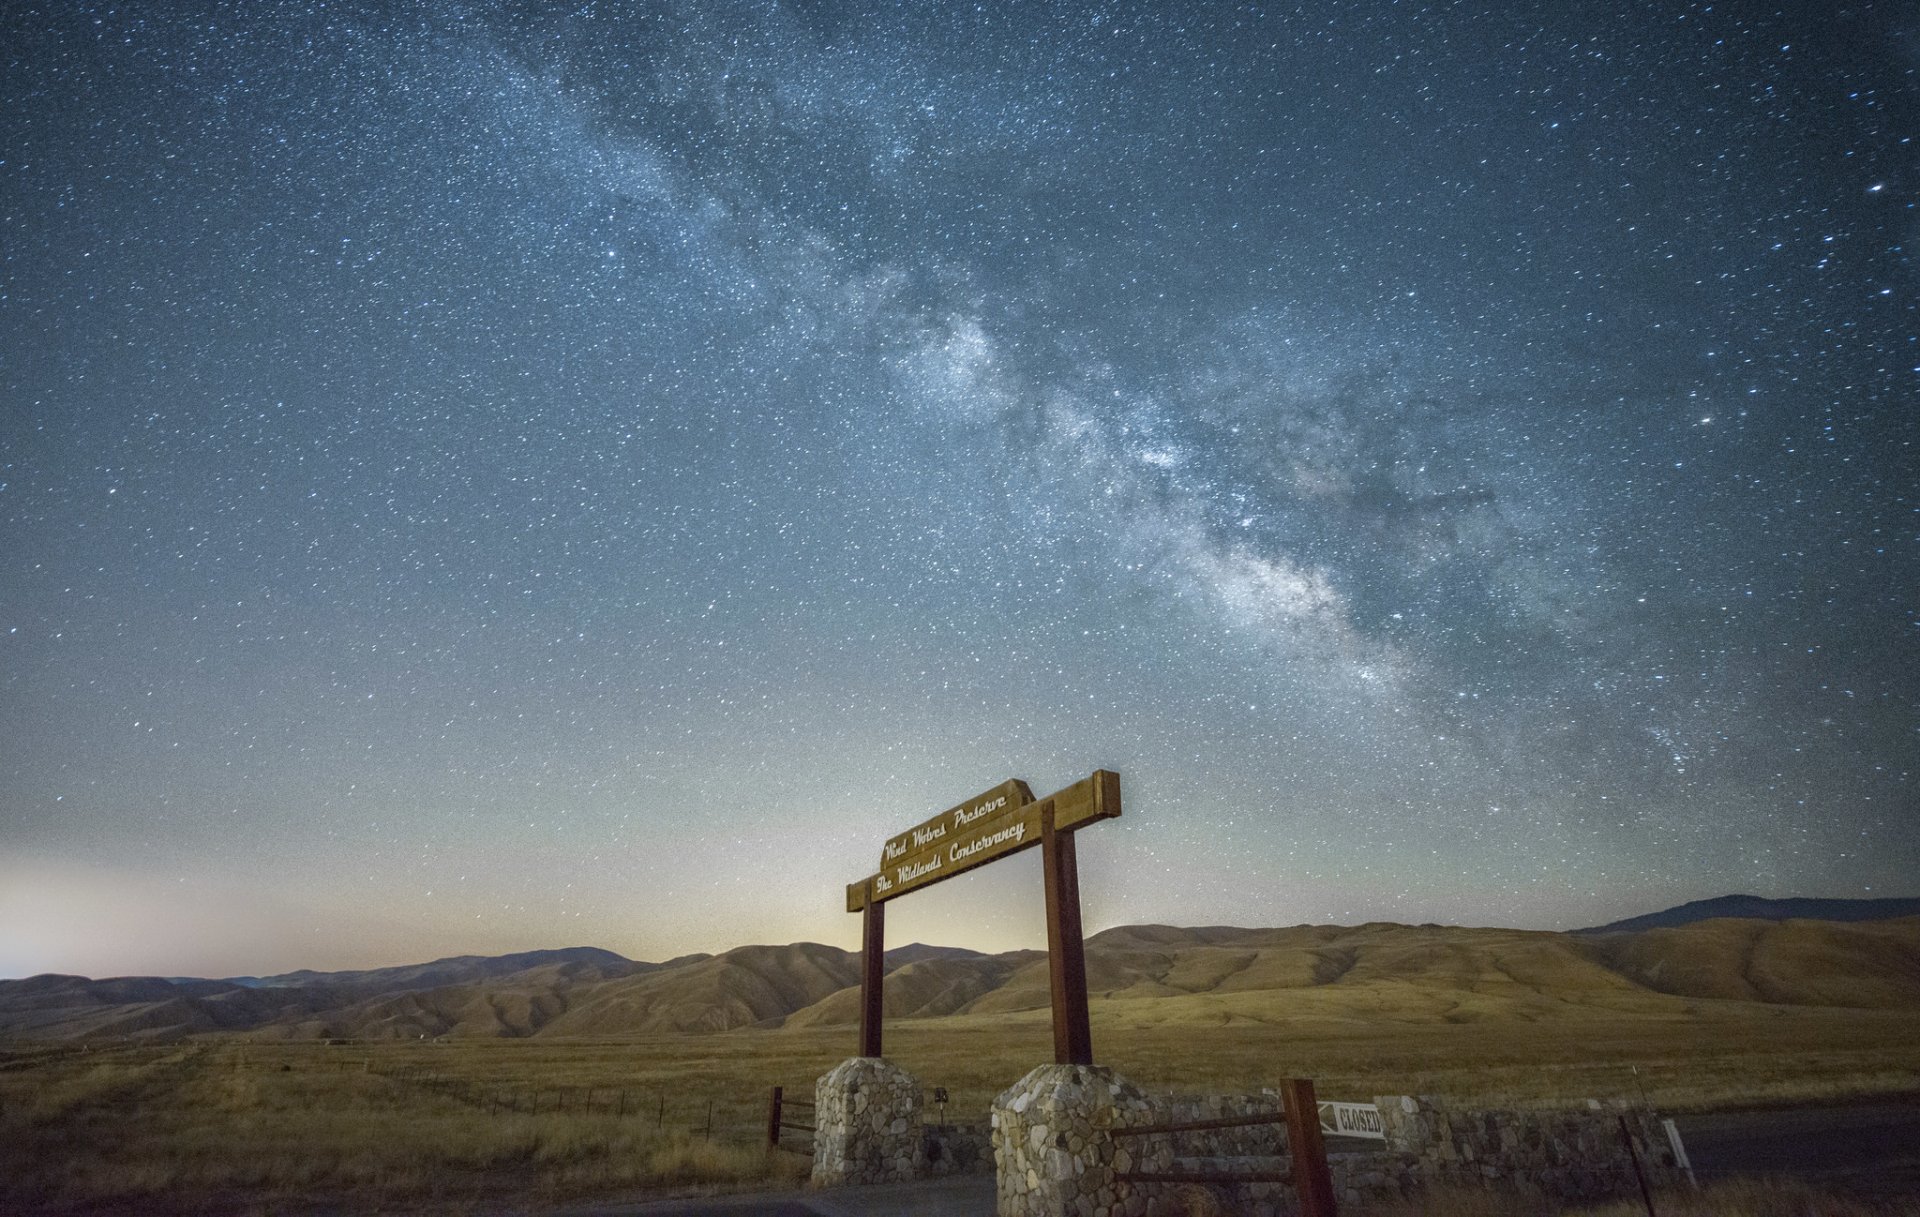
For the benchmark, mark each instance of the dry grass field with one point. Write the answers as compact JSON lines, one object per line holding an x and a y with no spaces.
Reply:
{"x":222,"y":1124}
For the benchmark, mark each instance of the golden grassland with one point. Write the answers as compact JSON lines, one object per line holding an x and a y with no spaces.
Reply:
{"x":222,"y":1124}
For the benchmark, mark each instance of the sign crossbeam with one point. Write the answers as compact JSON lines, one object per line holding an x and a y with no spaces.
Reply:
{"x":986,"y":828}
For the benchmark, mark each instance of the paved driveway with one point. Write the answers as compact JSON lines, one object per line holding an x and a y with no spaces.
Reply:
{"x":965,"y":1196}
{"x":1872,"y":1147}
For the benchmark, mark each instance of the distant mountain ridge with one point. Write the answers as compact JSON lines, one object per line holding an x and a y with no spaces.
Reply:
{"x":1765,"y":909}
{"x":1207,"y":975}
{"x":454,"y":969}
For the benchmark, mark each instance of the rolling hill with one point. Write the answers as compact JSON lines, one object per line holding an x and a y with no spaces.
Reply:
{"x":1797,"y":963}
{"x":1155,"y":974}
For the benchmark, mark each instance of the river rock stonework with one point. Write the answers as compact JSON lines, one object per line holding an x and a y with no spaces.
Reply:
{"x":958,"y":1149}
{"x":1056,"y":1156}
{"x":1051,"y":1151}
{"x":867,"y":1124}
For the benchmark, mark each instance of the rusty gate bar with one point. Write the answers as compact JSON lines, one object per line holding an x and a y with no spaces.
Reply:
{"x":777,"y":1118}
{"x":1141,"y":1130}
{"x":1312,"y":1179}
{"x":1226,"y":1177}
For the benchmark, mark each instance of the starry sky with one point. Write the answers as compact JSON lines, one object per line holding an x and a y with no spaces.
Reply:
{"x":485,"y":476}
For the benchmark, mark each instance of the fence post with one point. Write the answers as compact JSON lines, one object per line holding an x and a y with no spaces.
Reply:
{"x":1311,"y":1178}
{"x":1639,"y":1176}
{"x":773,"y":1120}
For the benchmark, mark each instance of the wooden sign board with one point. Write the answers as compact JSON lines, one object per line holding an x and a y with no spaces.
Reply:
{"x":985,"y":828}
{"x":989,"y":826}
{"x":1006,"y":796}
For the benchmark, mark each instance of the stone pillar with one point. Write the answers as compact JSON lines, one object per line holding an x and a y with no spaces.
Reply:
{"x":1050,"y":1149}
{"x":867,"y":1124}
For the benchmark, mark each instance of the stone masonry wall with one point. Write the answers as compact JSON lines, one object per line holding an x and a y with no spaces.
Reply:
{"x":867,"y":1124}
{"x":958,"y":1149}
{"x":1052,"y":1146}
{"x":1566,"y":1155}
{"x":1055,"y":1154}
{"x":1563,"y":1154}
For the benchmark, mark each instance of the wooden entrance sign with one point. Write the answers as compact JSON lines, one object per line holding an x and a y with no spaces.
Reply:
{"x":986,"y":828}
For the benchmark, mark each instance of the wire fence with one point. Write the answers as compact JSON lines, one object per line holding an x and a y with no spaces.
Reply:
{"x":613,"y":1101}
{"x":779,"y":1107}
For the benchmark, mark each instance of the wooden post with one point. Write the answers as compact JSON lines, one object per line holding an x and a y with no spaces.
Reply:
{"x":1066,"y":951}
{"x":1639,"y":1176}
{"x":773,"y":1120}
{"x":1312,"y":1181}
{"x":873,"y":970}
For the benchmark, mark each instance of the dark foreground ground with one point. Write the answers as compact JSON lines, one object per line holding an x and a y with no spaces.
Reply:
{"x":1872,"y":1149}
{"x":966,"y":1196}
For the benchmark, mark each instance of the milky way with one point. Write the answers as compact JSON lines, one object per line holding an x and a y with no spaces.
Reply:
{"x":480,"y":477}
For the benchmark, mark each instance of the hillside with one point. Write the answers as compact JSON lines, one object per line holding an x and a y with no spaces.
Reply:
{"x":1798,"y":963}
{"x":1156,"y":974}
{"x":1795,"y":908}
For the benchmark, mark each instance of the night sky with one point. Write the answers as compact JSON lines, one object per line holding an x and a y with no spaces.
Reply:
{"x":477,"y":477}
